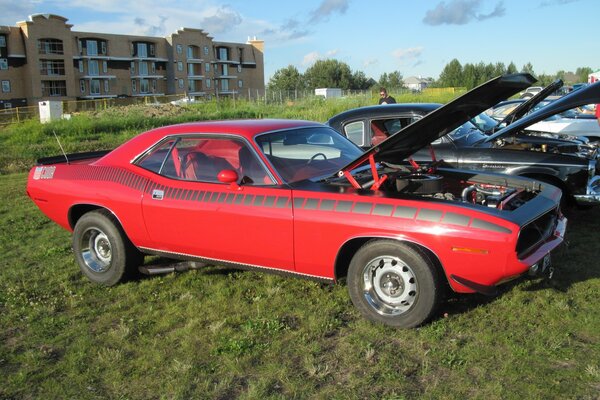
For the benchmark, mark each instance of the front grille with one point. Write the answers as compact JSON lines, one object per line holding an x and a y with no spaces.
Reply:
{"x":536,"y":232}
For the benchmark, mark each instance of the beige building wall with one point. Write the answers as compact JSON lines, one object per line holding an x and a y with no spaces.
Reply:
{"x":44,"y":59}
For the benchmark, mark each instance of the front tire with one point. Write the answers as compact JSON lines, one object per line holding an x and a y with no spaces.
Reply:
{"x":394,"y":284}
{"x":104,"y":253}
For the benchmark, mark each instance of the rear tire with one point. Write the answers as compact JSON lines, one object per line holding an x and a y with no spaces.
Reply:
{"x":394,"y":284}
{"x":104,"y":253}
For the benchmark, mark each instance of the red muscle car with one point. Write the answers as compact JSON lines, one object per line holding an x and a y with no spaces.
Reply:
{"x":298,"y":198}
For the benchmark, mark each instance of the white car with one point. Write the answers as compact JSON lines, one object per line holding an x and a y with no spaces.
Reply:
{"x":569,"y":126}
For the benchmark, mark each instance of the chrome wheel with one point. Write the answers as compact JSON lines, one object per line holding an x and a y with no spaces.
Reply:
{"x":96,"y":250}
{"x":389,"y":285}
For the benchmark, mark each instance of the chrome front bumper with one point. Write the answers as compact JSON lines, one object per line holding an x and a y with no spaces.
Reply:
{"x":592,"y":195}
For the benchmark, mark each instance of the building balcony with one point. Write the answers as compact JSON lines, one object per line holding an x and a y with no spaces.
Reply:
{"x":226,"y":77}
{"x":195,"y":77}
{"x":98,"y":77}
{"x":220,"y":61}
{"x":148,"y":76}
{"x":195,"y":60}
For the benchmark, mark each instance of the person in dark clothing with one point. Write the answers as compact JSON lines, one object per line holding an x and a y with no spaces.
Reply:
{"x":385,"y":98}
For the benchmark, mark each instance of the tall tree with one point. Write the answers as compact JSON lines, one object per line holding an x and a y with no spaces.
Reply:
{"x":511,"y":68}
{"x":329,"y":74}
{"x":528,"y":68}
{"x":286,"y":79}
{"x":451,"y":75}
{"x":392,"y":80}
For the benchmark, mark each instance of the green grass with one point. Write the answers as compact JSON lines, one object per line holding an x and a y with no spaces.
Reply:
{"x":222,"y":333}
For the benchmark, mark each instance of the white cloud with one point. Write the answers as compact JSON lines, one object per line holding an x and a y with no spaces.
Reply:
{"x":407,"y":55}
{"x":460,"y":12}
{"x":310,"y":58}
{"x":328,"y":8}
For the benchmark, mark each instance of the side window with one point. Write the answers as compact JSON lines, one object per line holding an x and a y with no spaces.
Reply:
{"x":355,"y":131}
{"x":202,"y":159}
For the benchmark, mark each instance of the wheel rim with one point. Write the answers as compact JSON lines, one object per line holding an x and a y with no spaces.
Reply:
{"x":96,"y":250}
{"x":389,"y":285}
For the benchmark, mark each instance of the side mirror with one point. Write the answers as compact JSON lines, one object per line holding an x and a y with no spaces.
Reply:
{"x":227,"y":176}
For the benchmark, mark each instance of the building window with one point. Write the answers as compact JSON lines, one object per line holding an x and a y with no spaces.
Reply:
{"x":103,"y":48}
{"x":93,"y":68}
{"x":191,"y":86}
{"x":143,"y":68}
{"x":82,"y":85}
{"x":179,"y":49}
{"x":2,"y":41}
{"x":92,"y":47}
{"x":208,"y":83}
{"x":132,"y":68}
{"x":104,"y":67}
{"x":52,"y":67}
{"x":153,"y":67}
{"x":153,"y":85}
{"x":106,"y":87}
{"x":3,"y":63}
{"x":207,"y":67}
{"x":179,"y":66}
{"x":144,"y":86}
{"x":5,"y":86}
{"x":95,"y":86}
{"x":239,"y":68}
{"x":190,"y":68}
{"x":133,"y":86}
{"x":54,"y":88}
{"x":240,"y":83}
{"x":180,"y":83}
{"x":151,"y":47}
{"x":50,"y":46}
{"x":190,"y":52}
{"x":205,"y":50}
{"x":142,"y":50}
{"x":224,"y":85}
{"x":225,"y":70}
{"x":80,"y":65}
{"x":223,"y":54}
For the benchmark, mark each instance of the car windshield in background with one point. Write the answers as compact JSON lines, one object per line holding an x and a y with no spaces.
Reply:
{"x":307,"y":153}
{"x":467,"y":134}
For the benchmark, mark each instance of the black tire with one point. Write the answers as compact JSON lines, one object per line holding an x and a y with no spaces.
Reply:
{"x":394,"y":284}
{"x":104,"y":253}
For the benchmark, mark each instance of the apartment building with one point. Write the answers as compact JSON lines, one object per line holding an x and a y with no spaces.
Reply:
{"x":44,"y":59}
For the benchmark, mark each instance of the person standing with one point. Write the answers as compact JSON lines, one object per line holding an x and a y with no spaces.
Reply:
{"x":385,"y":98}
{"x":598,"y":113}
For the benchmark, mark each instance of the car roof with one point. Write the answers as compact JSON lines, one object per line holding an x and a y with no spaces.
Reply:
{"x":380,"y":111}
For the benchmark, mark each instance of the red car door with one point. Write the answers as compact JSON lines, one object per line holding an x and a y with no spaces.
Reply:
{"x":188,"y":211}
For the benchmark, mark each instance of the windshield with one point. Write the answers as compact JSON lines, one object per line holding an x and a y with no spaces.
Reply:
{"x":307,"y":153}
{"x":466,"y":135}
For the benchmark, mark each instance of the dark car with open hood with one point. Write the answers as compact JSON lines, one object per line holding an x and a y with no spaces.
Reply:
{"x":298,"y":198}
{"x":570,"y":165}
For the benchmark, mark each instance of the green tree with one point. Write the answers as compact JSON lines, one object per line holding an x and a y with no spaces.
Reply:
{"x":452,"y":74}
{"x":511,"y":68}
{"x":528,"y":68}
{"x":582,"y":73}
{"x":286,"y":79}
{"x":329,"y":74}
{"x":360,"y":81}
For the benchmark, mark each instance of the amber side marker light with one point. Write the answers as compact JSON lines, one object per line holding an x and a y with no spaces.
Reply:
{"x":469,"y":250}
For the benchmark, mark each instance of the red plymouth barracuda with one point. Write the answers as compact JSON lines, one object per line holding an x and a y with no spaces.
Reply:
{"x":298,"y":198}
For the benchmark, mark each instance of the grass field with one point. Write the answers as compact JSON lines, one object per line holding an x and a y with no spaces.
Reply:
{"x":223,"y":333}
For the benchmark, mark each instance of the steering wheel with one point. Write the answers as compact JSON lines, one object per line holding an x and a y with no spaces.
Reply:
{"x":315,"y":156}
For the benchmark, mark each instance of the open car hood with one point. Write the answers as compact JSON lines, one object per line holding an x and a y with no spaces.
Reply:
{"x":587,"y":95}
{"x":525,"y":107}
{"x":443,"y":120}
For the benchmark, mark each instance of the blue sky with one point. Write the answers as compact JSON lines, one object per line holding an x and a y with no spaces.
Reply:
{"x":375,"y":36}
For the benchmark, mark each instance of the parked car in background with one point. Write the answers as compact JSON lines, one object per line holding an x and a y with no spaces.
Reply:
{"x":530,"y":92}
{"x":564,"y":163}
{"x":298,"y":198}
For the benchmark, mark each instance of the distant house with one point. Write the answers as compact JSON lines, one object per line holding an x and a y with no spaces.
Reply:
{"x":416,"y":83}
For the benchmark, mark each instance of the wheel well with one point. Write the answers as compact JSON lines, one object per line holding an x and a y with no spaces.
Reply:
{"x":78,"y":211}
{"x":342,"y":262}
{"x":553,"y":181}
